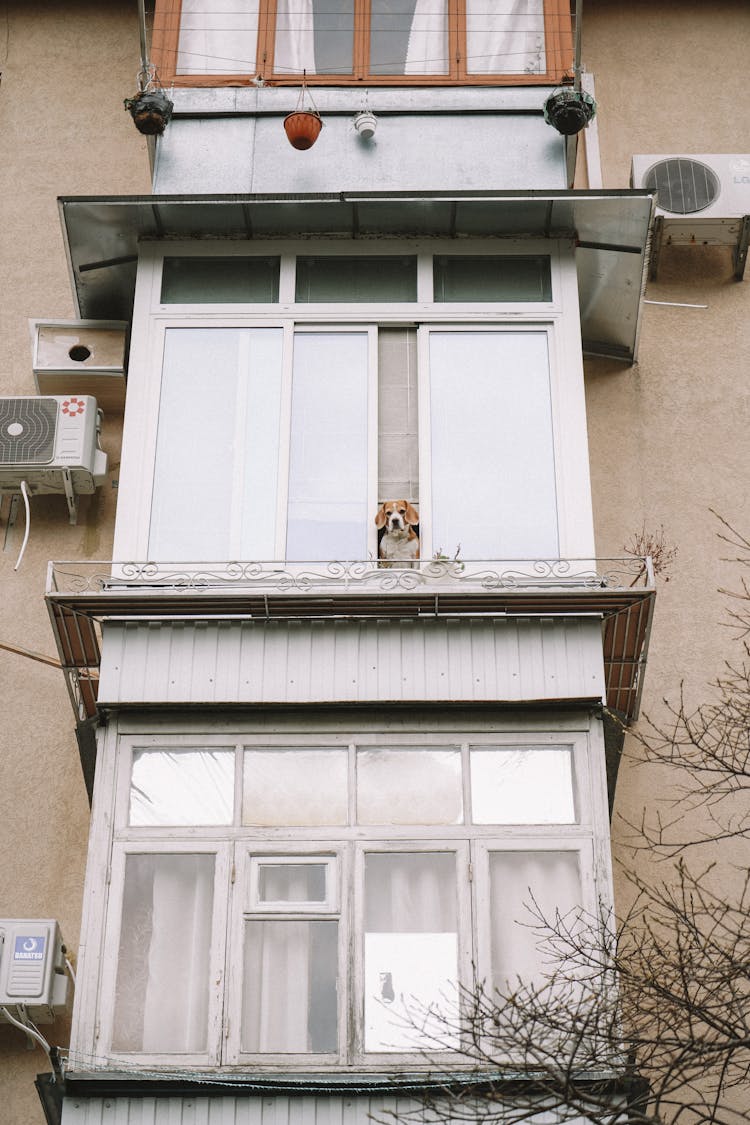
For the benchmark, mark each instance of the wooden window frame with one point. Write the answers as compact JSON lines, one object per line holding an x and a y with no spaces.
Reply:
{"x":558,"y":37}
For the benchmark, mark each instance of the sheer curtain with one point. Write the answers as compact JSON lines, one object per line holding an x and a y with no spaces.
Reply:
{"x":427,"y":52}
{"x":218,"y":37}
{"x":295,"y":45}
{"x":161,"y":998}
{"x":505,"y":37}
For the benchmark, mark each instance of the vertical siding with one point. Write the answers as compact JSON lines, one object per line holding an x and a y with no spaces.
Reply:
{"x":343,"y":661}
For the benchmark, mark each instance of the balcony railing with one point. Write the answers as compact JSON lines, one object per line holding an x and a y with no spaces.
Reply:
{"x":83,"y":594}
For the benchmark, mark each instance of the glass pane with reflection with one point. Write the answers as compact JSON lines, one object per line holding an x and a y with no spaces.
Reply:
{"x":522,"y":785}
{"x":411,"y":950}
{"x":417,"y":786}
{"x":316,"y":36}
{"x":294,"y":787}
{"x":409,"y":37}
{"x":169,"y":787}
{"x":292,"y":882}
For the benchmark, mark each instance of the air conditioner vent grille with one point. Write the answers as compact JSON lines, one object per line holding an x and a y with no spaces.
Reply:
{"x":684,"y":186}
{"x":27,"y":431}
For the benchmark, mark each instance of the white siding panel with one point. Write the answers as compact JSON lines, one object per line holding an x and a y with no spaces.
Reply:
{"x":461,"y":660}
{"x":248,"y":1110}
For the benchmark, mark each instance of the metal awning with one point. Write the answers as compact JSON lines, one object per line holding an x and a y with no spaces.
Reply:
{"x":611,"y":230}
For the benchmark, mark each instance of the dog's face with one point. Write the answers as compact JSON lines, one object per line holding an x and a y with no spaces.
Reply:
{"x":396,"y":515}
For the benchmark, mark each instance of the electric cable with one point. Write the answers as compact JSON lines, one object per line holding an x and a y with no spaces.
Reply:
{"x":25,"y":494}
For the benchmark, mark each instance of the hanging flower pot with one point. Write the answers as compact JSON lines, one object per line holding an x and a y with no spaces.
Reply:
{"x":303,"y":125}
{"x":151,"y":111}
{"x":303,"y":128}
{"x":569,"y":110}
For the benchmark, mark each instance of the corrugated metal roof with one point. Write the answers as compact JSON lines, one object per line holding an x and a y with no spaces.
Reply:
{"x":611,"y":229}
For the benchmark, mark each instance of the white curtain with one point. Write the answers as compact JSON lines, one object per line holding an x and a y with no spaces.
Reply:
{"x":294,"y":52}
{"x":161,"y":1001}
{"x":427,"y":52}
{"x":218,"y":37}
{"x":505,"y":37}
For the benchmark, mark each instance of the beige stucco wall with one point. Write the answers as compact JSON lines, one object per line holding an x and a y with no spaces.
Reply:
{"x":63,"y":130}
{"x":668,"y":436}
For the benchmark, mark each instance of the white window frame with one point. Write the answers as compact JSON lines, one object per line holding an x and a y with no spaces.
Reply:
{"x":558,"y":317}
{"x":112,"y":840}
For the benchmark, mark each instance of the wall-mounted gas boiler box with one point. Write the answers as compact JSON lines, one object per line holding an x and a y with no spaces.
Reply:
{"x":33,"y":978}
{"x":81,"y":357}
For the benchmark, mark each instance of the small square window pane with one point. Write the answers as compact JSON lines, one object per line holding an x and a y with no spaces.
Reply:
{"x":219,"y":281}
{"x":417,"y":786}
{"x":348,"y":278}
{"x":523,"y":785}
{"x":294,"y":787}
{"x":169,"y":787}
{"x":292,"y":882}
{"x":492,"y":278}
{"x":289,"y":998}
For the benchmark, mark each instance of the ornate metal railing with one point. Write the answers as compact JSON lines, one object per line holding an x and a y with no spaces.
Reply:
{"x":98,"y":577}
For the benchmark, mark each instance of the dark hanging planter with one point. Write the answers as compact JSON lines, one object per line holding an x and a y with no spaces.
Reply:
{"x":303,"y":125}
{"x":151,"y":111}
{"x":569,"y":110}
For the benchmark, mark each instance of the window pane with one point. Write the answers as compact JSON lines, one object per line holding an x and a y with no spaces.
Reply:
{"x":328,"y":515}
{"x":161,"y":997}
{"x":398,"y":452}
{"x":295,"y":787}
{"x":189,"y":281}
{"x":411,"y":950}
{"x":218,"y":37}
{"x":182,"y":787}
{"x":292,"y":882}
{"x":346,"y":278}
{"x":216,"y":473}
{"x":493,"y":469}
{"x":522,"y":786}
{"x":492,"y":278}
{"x":505,"y":38}
{"x":409,"y":37}
{"x":289,"y":990}
{"x":519,"y":943}
{"x":409,"y":787}
{"x":316,"y":36}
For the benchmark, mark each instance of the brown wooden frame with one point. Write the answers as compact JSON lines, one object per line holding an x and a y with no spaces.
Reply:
{"x":557,"y":31}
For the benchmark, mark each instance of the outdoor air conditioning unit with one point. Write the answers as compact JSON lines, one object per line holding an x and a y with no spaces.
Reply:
{"x":33,"y":980}
{"x":51,"y":443}
{"x":700,"y":198}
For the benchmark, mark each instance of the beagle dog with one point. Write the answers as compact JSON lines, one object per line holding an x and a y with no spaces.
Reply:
{"x":399,"y":544}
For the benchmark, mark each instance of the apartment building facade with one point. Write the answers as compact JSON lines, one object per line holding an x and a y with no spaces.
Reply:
{"x":322,"y":789}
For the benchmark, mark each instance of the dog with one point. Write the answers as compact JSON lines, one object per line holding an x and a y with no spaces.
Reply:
{"x":399,"y":544}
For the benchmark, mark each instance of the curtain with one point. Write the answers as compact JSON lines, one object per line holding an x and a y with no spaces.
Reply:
{"x":295,"y":46}
{"x":506,"y":37}
{"x":427,"y":52}
{"x":161,"y":999}
{"x":218,"y":37}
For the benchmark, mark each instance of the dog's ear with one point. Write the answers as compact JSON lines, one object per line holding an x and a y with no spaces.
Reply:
{"x":412,"y":515}
{"x":381,"y":517}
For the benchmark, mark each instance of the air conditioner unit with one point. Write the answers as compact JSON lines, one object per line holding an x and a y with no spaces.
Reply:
{"x":51,"y":443}
{"x":33,"y":980}
{"x":701,"y":198}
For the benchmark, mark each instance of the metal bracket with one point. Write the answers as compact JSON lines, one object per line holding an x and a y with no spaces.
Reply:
{"x":740,"y":250}
{"x":70,"y":496}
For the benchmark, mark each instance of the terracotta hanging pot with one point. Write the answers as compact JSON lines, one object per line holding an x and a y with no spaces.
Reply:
{"x":303,"y":128}
{"x":151,"y":111}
